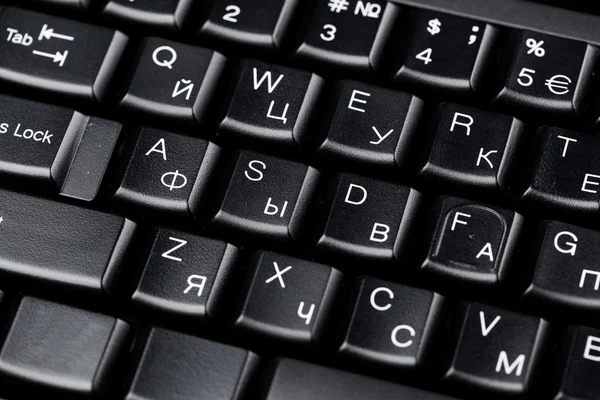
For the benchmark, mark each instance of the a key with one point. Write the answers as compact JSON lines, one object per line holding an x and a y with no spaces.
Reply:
{"x":566,"y":270}
{"x":548,"y":74}
{"x":471,"y":243}
{"x":172,"y":82}
{"x":96,"y":143}
{"x":447,"y":53}
{"x":271,"y":104}
{"x":79,"y":5}
{"x":371,"y":126}
{"x":175,"y":366}
{"x":566,"y":173}
{"x":580,"y":365}
{"x":35,"y":141}
{"x":62,"y":351}
{"x":348,"y":35}
{"x":60,"y":59}
{"x":287,"y":300}
{"x":185,"y":276}
{"x":472,"y":149}
{"x":297,"y":380}
{"x":167,"y":172}
{"x":52,"y":244}
{"x":497,"y":351}
{"x":365,"y":219}
{"x":391,"y":326}
{"x":249,"y":26}
{"x":265,"y":197}
{"x":165,"y":15}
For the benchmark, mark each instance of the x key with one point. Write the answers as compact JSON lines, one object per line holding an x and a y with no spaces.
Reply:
{"x":278,"y":275}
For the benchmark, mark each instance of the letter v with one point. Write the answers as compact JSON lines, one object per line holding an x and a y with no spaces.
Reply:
{"x":485,"y":329}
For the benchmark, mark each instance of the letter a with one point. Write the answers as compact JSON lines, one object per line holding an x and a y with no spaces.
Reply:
{"x":159,"y":147}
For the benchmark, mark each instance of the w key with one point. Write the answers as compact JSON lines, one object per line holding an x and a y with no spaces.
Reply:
{"x":55,"y":56}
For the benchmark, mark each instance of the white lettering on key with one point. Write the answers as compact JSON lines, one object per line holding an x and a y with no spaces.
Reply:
{"x":374,"y":303}
{"x":177,"y":180}
{"x":187,"y":89}
{"x":381,"y":138}
{"x":369,"y":10}
{"x":272,"y":209}
{"x":180,"y":244}
{"x":48,"y":33}
{"x":380,"y":233}
{"x":259,"y":175}
{"x":465,"y":124}
{"x":354,"y":99}
{"x":587,"y":272}
{"x":30,"y":134}
{"x":485,"y":157}
{"x":572,"y":246}
{"x":278,"y":275}
{"x":567,"y":141}
{"x":349,"y":193}
{"x":486,"y":251}
{"x":592,"y":344}
{"x":306,"y":316}
{"x":57,"y":58}
{"x":485,"y":328}
{"x":160,"y":148}
{"x":195,"y":282}
{"x":266,"y":77}
{"x":517,"y":365}
{"x":406,"y":328}
{"x":281,"y":117}
{"x":18,"y":38}
{"x":587,"y":181}
{"x":459,"y":221}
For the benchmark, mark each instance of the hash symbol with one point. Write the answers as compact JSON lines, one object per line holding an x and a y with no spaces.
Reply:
{"x":338,"y":6}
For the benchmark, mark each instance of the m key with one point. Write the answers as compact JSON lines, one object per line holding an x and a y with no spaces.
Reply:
{"x":58,"y":57}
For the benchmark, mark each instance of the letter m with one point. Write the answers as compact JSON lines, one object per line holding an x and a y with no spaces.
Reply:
{"x":266,"y":77}
{"x":517,"y":365}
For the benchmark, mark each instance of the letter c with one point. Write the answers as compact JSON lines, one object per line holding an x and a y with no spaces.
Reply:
{"x":374,"y":304}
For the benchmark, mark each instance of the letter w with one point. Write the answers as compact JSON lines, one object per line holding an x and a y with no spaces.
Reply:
{"x":267,"y":75}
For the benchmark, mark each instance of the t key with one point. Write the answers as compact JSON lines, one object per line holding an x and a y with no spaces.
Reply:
{"x":548,"y":74}
{"x":55,"y":56}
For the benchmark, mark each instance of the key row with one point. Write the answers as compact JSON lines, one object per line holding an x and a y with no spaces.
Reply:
{"x":486,"y":358}
{"x":53,"y":55}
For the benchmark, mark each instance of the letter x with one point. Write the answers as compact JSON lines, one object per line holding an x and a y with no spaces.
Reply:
{"x":278,"y":275}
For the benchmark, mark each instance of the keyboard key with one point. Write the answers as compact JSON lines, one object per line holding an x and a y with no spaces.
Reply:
{"x":265,"y":198}
{"x":297,"y":380}
{"x":249,"y":26}
{"x":548,"y":74}
{"x":566,"y":272}
{"x":173,"y":82}
{"x":391,"y":326}
{"x":488,"y":357}
{"x":471,"y":243}
{"x":168,"y":173}
{"x":272,"y":104}
{"x":364,"y":218}
{"x":485,"y":142}
{"x":371,"y":126}
{"x":35,"y":140}
{"x":447,"y":53}
{"x":62,"y":350}
{"x":79,"y":5}
{"x":342,"y":34}
{"x":58,"y":58}
{"x":185,"y":276}
{"x":287,"y":300}
{"x":166,"y":15}
{"x":94,"y":149}
{"x":565,"y":173}
{"x":52,"y":244}
{"x":175,"y":366}
{"x":580,"y":365}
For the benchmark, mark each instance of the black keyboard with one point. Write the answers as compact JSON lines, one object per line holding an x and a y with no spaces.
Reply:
{"x":299,"y":200}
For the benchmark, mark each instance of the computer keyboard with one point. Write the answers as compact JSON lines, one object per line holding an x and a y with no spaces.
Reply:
{"x":298,"y":200}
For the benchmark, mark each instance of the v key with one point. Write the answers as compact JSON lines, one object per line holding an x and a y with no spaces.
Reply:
{"x":486,"y":329}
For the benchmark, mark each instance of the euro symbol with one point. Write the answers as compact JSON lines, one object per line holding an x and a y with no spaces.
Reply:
{"x":174,"y":181}
{"x":558,"y":84}
{"x":165,"y":62}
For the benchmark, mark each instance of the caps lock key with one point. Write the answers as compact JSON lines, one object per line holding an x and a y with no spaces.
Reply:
{"x":55,"y":56}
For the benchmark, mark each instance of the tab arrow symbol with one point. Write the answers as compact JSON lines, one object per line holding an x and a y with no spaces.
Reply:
{"x":57,"y":58}
{"x":48,"y":33}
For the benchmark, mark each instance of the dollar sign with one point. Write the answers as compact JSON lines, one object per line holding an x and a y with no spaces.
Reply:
{"x":434,"y":26}
{"x":174,"y":181}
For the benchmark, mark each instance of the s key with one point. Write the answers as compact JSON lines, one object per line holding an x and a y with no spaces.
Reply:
{"x":55,"y":56}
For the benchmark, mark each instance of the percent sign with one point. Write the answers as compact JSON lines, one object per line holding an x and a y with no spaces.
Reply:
{"x":535,"y":47}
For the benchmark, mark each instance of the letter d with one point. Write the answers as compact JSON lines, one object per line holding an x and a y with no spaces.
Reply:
{"x":355,"y":201}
